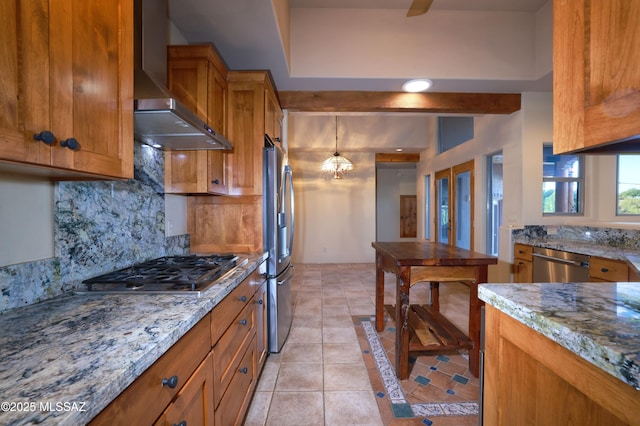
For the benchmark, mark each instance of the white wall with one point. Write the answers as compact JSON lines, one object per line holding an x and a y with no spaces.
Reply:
{"x":26,"y":219}
{"x":335,"y":218}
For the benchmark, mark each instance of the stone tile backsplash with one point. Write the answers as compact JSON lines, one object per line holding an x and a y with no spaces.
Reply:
{"x":99,"y":226}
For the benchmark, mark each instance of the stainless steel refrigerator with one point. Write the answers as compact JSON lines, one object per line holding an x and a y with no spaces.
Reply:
{"x":278,"y":238}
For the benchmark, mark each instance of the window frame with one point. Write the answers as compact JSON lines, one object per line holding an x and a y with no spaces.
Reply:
{"x":618,"y":187}
{"x":580,"y":180}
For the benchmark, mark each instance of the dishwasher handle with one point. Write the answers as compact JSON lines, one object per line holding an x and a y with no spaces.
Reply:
{"x":584,"y":264}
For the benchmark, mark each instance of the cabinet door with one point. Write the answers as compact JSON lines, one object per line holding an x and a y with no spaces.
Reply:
{"x":75,"y":79}
{"x":24,"y":80}
{"x":260,"y":300}
{"x":246,"y":131}
{"x":596,"y":88}
{"x":273,"y":115}
{"x":522,"y":271}
{"x":195,"y":80}
{"x":194,"y":403}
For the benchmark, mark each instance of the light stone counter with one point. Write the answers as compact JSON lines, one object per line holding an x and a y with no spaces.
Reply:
{"x":66,"y":359}
{"x":599,"y":322}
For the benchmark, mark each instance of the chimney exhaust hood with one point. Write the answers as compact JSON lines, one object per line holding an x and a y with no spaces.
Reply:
{"x":159,"y":119}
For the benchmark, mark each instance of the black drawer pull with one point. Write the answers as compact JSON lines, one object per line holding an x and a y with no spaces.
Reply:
{"x":604,"y":270}
{"x":244,"y":370}
{"x":242,"y":298}
{"x":172,"y":382}
{"x":182,"y":423}
{"x":71,"y":143}
{"x":46,"y":137}
{"x":215,"y":181}
{"x":243,"y":322}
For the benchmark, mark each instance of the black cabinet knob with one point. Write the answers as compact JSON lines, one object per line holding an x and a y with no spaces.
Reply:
{"x":604,"y":270}
{"x":215,"y":181}
{"x":242,"y":298}
{"x":243,"y":322}
{"x":45,"y":136}
{"x":244,"y":370}
{"x":70,"y":143}
{"x":182,"y":423}
{"x":172,"y":382}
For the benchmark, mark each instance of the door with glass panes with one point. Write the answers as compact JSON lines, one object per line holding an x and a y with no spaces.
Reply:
{"x":454,"y":213}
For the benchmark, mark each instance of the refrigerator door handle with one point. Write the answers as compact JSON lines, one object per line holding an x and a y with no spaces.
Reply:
{"x":288,"y":274}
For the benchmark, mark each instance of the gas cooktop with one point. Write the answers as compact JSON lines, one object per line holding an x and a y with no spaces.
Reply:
{"x":189,"y":274}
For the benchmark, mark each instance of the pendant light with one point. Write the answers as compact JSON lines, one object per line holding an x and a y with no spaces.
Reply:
{"x":337,"y":165}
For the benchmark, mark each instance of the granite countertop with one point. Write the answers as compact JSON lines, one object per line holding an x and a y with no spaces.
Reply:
{"x":629,"y":255}
{"x":74,"y":354}
{"x":599,"y":322}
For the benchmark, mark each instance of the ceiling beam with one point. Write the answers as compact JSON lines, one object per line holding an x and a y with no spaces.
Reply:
{"x":353,"y":101}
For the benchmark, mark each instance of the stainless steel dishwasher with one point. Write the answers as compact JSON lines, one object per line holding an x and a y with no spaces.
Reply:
{"x":555,"y":266}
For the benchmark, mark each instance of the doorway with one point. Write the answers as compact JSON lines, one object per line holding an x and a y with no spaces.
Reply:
{"x":454,"y":197}
{"x":396,"y":189}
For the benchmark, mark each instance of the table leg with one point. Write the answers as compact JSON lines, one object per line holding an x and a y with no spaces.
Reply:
{"x":475,"y":306}
{"x":402,"y":323}
{"x":379,"y":293}
{"x":435,"y":296}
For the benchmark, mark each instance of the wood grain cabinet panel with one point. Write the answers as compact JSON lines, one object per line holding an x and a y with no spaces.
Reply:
{"x":530,"y":379}
{"x":596,"y":83}
{"x":197,"y":77}
{"x":194,"y":403}
{"x":522,"y":263}
{"x":67,"y":70}
{"x":601,"y":269}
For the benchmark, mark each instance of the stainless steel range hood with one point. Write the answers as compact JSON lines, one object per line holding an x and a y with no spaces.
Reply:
{"x":159,"y":119}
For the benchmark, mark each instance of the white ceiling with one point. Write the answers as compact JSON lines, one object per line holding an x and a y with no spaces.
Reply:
{"x":320,"y":55}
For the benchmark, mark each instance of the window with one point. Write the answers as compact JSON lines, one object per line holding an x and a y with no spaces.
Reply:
{"x":628,"y":185}
{"x":562,"y":183}
{"x":453,"y":131}
{"x":494,"y":201}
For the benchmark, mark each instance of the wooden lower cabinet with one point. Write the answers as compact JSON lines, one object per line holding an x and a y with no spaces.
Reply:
{"x":194,"y":403}
{"x":530,"y":379}
{"x":610,"y":270}
{"x":147,"y":397}
{"x":522,"y":263}
{"x":210,"y":374}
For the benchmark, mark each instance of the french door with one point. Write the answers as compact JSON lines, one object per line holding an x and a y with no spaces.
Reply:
{"x":454,"y":214}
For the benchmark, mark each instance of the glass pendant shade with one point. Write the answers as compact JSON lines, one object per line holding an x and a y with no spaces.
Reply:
{"x":336,"y":165}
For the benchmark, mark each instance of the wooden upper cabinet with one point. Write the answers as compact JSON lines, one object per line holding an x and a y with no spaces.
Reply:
{"x":197,"y":77}
{"x":273,"y":114}
{"x":67,"y":71}
{"x":251,"y":94}
{"x":596,"y":83}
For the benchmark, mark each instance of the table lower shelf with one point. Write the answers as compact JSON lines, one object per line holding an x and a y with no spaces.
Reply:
{"x":432,"y":331}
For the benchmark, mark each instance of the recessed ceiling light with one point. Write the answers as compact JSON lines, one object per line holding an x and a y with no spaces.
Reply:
{"x":417,"y":85}
{"x":399,"y":149}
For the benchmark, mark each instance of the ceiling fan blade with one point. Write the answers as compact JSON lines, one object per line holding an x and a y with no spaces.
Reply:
{"x":419,"y":7}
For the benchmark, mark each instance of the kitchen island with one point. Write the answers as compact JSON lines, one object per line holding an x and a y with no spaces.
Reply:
{"x":414,"y":262}
{"x":560,"y":354}
{"x":66,"y":359}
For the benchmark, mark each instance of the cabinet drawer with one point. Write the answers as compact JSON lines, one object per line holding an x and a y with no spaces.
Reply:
{"x":228,"y":351}
{"x":236,"y":400}
{"x":608,"y":270}
{"x":224,"y":313}
{"x":146,"y":398}
{"x":523,"y":251}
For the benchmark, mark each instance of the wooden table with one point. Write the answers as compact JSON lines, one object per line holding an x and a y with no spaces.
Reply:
{"x":423,"y":328}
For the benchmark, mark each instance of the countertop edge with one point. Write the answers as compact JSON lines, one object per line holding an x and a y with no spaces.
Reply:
{"x":585,"y":347}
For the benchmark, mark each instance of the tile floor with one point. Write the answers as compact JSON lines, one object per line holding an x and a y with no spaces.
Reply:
{"x":320,"y":377}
